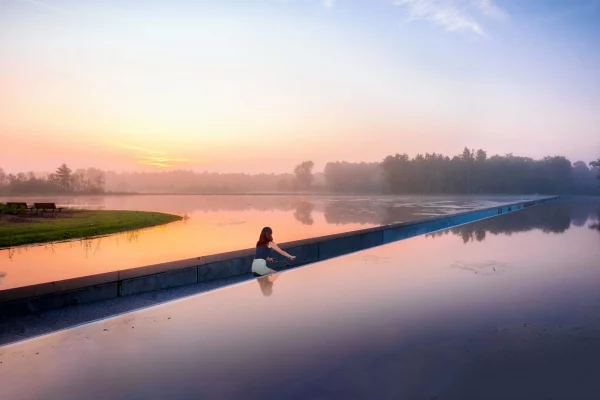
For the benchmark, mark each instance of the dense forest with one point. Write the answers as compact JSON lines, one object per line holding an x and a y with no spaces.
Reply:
{"x":471,"y":172}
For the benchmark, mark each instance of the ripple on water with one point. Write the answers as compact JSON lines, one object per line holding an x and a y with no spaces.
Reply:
{"x":483,"y":268}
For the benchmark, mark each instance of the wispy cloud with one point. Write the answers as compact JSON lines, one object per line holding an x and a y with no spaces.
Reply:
{"x":490,"y":10}
{"x":162,"y":162}
{"x":48,"y":6}
{"x":155,"y":158}
{"x":454,"y":15}
{"x":326,"y":3}
{"x":141,"y":149}
{"x":155,"y":164}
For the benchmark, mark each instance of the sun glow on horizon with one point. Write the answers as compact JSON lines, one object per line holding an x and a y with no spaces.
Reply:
{"x":261,"y":86}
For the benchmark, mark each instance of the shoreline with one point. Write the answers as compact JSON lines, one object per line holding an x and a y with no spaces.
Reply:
{"x":123,"y":194}
{"x":24,"y":230}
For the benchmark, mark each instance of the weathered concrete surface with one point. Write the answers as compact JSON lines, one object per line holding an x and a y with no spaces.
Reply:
{"x":163,"y":280}
{"x":42,"y":289}
{"x":230,"y":264}
{"x":61,"y":299}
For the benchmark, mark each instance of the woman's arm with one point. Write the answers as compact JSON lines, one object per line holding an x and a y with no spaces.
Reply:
{"x":283,"y":253}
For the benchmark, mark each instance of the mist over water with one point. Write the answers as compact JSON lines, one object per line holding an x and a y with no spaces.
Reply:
{"x":215,"y":224}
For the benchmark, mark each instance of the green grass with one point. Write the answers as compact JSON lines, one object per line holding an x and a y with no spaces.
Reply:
{"x":28,"y":228}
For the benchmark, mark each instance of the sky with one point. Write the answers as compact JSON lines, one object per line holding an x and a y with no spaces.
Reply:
{"x":262,"y":85}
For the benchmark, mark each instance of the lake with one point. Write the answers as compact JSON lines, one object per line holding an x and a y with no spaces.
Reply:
{"x":213,"y":224}
{"x":503,"y":308}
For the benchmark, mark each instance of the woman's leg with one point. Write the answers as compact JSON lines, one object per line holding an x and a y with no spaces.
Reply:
{"x":269,"y":271}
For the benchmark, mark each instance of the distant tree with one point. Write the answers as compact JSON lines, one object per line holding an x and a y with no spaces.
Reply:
{"x":479,"y":171}
{"x":582,"y":178}
{"x":3,"y":177}
{"x":63,"y":177}
{"x":304,"y":175}
{"x":596,"y":164}
{"x":78,"y":181}
{"x":473,"y":172}
{"x":468,"y":161}
{"x":96,"y":180}
{"x":396,"y":170}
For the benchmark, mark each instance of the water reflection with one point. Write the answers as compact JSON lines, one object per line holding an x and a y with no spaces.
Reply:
{"x":482,"y":268}
{"x":266,"y":284}
{"x":336,"y":209}
{"x":214,"y":224}
{"x":508,"y":314}
{"x":596,"y":225}
{"x":554,"y":218}
{"x":303,"y":213}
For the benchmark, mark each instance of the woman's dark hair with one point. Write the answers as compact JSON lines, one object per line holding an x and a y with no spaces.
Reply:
{"x":266,"y":236}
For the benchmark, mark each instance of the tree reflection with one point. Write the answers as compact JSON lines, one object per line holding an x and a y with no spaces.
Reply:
{"x":303,"y":213}
{"x":553,"y":218}
{"x":596,"y":225}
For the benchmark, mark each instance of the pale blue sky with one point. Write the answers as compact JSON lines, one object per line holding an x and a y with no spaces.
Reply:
{"x":218,"y":84}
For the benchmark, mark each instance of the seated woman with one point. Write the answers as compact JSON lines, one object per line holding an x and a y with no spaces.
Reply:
{"x":264,"y":247}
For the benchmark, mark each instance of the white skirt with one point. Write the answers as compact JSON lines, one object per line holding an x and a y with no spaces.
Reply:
{"x":259,"y":266}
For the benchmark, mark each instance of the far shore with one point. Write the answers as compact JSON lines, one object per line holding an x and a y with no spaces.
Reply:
{"x":118,"y":194}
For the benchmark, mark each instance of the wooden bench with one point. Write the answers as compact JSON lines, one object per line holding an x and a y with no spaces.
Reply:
{"x":18,"y":205}
{"x":46,"y":206}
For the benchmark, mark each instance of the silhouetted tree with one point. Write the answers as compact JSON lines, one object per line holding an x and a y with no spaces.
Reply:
{"x":596,"y":165}
{"x":304,"y":176}
{"x":83,"y":181}
{"x":473,"y":172}
{"x":468,"y":172}
{"x":468,"y":161}
{"x":62,"y":177}
{"x":583,"y":179}
{"x":3,"y":177}
{"x":397,"y":171}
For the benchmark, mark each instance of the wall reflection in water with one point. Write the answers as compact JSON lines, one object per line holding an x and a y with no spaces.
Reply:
{"x":553,"y":218}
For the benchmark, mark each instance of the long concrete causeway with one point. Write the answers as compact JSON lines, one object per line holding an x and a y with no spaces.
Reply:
{"x":53,"y":295}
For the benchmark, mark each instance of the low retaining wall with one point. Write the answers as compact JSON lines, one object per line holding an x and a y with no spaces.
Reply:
{"x":46,"y":296}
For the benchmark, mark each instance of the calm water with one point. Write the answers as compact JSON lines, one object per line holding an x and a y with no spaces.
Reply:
{"x":215,"y":224}
{"x":506,"y":308}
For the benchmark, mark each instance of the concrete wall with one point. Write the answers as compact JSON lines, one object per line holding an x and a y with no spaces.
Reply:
{"x":42,"y":297}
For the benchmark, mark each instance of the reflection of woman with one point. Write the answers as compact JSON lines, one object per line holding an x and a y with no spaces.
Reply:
{"x":266,"y":284}
{"x":264,"y":246}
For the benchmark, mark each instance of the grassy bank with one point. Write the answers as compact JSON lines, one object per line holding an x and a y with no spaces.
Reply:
{"x":28,"y":228}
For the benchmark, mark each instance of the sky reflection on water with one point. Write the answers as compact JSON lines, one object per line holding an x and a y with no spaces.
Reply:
{"x":215,"y":224}
{"x":512,"y":314}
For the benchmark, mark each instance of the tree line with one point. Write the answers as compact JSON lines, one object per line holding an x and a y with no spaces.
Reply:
{"x":471,"y":172}
{"x":62,"y":181}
